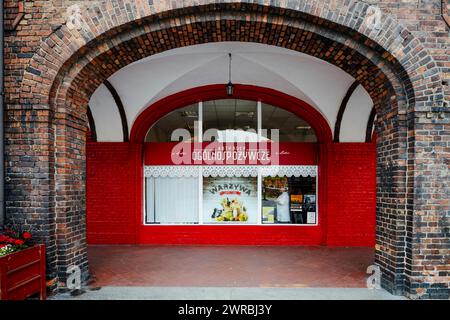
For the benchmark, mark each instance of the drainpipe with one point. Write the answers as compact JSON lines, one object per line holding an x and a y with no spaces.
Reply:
{"x":2,"y":152}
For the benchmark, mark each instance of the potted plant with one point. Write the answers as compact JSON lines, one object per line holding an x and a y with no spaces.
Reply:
{"x":22,"y":266}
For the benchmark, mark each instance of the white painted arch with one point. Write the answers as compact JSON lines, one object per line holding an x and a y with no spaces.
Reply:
{"x":146,"y":81}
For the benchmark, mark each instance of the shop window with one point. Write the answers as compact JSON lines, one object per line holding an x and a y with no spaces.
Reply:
{"x":183,"y":118}
{"x":172,"y":200}
{"x":291,"y":127}
{"x":231,"y":195}
{"x":289,"y":200}
{"x":230,"y":120}
{"x":228,"y":192}
{"x":230,"y":200}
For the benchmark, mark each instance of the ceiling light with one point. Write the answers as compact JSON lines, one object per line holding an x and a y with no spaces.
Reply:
{"x":244,"y":113}
{"x":189,"y":114}
{"x":229,"y":86}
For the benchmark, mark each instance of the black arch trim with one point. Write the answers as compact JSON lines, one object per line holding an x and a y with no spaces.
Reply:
{"x":337,"y":126}
{"x":120,"y":107}
{"x":369,"y":127}
{"x":91,"y":121}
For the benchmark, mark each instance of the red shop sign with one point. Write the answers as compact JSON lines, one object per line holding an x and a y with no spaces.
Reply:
{"x":207,"y":153}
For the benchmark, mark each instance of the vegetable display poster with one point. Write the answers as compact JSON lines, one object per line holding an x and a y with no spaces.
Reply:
{"x":230,"y":200}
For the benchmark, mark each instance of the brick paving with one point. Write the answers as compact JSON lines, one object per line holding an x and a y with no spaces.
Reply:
{"x":229,"y":266}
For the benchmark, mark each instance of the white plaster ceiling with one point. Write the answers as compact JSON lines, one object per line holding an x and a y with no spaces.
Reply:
{"x":108,"y":124}
{"x":146,"y":81}
{"x":353,"y":128}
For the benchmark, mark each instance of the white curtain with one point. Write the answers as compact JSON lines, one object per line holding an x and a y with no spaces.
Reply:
{"x":172,"y":200}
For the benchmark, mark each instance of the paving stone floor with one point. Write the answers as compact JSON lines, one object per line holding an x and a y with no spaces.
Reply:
{"x":229,"y":266}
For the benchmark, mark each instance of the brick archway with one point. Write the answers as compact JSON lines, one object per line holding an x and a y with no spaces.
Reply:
{"x":71,"y":64}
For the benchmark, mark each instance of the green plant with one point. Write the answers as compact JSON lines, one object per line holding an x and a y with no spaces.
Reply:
{"x":13,"y":240}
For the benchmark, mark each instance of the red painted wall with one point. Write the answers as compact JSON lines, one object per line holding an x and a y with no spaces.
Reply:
{"x":110,"y":201}
{"x":351,"y":194}
{"x":346,"y":184}
{"x":347,"y":219}
{"x":231,"y":235}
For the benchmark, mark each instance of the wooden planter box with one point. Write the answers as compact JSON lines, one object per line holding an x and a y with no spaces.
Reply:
{"x":22,"y":274}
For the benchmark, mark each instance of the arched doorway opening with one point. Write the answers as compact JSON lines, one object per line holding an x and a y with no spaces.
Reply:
{"x":180,"y":189}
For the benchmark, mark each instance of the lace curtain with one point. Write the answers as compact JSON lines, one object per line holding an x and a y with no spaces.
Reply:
{"x":230,"y":171}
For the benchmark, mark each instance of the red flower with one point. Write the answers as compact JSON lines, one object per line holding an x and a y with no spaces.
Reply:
{"x":18,"y":242}
{"x":26,"y":235}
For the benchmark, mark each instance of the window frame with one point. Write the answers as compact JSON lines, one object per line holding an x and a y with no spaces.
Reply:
{"x":201,"y":222}
{"x":259,"y":177}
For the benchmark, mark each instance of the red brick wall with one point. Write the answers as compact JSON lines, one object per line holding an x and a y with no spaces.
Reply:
{"x":350,"y":204}
{"x":110,"y":198}
{"x":351,"y":194}
{"x":231,"y":235}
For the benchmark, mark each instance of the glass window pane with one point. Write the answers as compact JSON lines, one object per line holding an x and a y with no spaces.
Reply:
{"x":289,"y":200}
{"x":150,"y":200}
{"x":183,"y":118}
{"x":230,"y":200}
{"x":234,"y":120}
{"x":172,"y":200}
{"x":291,"y":127}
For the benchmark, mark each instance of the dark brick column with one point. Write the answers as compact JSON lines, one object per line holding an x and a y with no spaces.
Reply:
{"x":428,"y":251}
{"x":45,"y":185}
{"x":70,"y":189}
{"x":29,"y":175}
{"x":392,"y":212}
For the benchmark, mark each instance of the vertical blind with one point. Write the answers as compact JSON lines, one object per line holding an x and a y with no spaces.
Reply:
{"x":172,"y":200}
{"x":172,"y":193}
